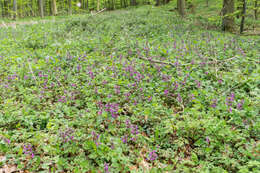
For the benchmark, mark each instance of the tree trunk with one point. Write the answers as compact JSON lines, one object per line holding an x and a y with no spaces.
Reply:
{"x":98,"y":5}
{"x":228,"y":20}
{"x":207,"y":3}
{"x":15,"y":9}
{"x":239,"y":8}
{"x":255,"y":9}
{"x":243,"y":17}
{"x":181,"y":7}
{"x":41,"y":8}
{"x":157,"y":3}
{"x":54,"y":8}
{"x":5,"y":10}
{"x":70,"y":8}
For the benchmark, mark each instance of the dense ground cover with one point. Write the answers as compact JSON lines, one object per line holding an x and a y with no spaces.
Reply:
{"x":132,"y":90}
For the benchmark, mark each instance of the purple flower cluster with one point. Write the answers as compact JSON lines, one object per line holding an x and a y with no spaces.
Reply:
{"x":207,"y":140}
{"x":91,"y":74}
{"x":95,"y":138}
{"x":214,"y":103}
{"x":229,"y":101}
{"x":133,"y":130}
{"x":153,"y":155}
{"x":27,"y":149}
{"x":67,"y":135}
{"x":112,"y":108}
{"x":8,"y":141}
{"x":12,"y":77}
{"x":62,"y":99}
{"x":240,"y":104}
{"x":166,"y":92}
{"x":124,"y":139}
{"x":117,"y":89}
{"x":106,"y":167}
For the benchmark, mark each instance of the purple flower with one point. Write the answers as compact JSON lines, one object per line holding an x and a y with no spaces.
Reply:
{"x":117,"y":89}
{"x":230,"y":110}
{"x":179,"y":99}
{"x":124,"y":139}
{"x":78,"y":67}
{"x":8,"y":141}
{"x":62,"y":99}
{"x":112,"y":108}
{"x":127,"y":95}
{"x":106,"y":167}
{"x":152,"y":155}
{"x":128,"y":123}
{"x":166,"y":92}
{"x":176,"y":85}
{"x":96,"y":138}
{"x":192,"y":97}
{"x":214,"y":103}
{"x":135,"y":102}
{"x":91,"y":74}
{"x":134,"y":129}
{"x":240,"y":105}
{"x":198,"y":83}
{"x":27,"y":149}
{"x":66,"y":135}
{"x":25,"y":77}
{"x":208,"y":140}
{"x":229,"y":101}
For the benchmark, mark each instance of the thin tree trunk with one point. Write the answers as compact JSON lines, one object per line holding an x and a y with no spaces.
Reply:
{"x":5,"y":9}
{"x":54,"y":8}
{"x":181,"y":7}
{"x":70,"y":8}
{"x":239,"y":8}
{"x":98,"y":5}
{"x":228,"y":20}
{"x":157,"y":3}
{"x":41,"y":8}
{"x":15,"y":9}
{"x":255,"y":9}
{"x":243,"y":17}
{"x":207,"y":3}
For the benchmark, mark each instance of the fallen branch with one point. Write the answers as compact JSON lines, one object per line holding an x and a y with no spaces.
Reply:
{"x":156,"y":61}
{"x":234,"y":87}
{"x":93,"y":14}
{"x":173,"y":65}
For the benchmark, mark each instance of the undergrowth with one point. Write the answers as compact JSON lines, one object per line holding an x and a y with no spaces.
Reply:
{"x":128,"y":91}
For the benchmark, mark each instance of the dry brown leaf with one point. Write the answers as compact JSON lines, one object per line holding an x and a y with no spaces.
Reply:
{"x":133,"y":168}
{"x":145,"y":166}
{"x":8,"y":169}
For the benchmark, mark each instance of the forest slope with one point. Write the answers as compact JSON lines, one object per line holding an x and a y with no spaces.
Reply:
{"x":131,"y":90}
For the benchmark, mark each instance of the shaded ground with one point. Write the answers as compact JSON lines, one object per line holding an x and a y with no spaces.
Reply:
{"x":14,"y":24}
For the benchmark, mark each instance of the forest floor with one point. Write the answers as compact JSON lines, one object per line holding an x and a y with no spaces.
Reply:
{"x":134,"y":90}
